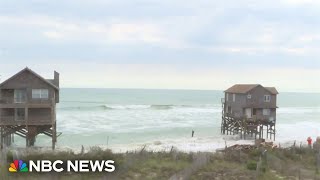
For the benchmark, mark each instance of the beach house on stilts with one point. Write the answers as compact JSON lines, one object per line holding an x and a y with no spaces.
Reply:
{"x":249,"y":109}
{"x":28,"y":107}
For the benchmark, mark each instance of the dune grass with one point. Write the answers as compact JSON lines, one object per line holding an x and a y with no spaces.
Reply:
{"x":130,"y":165}
{"x":258,"y":163}
{"x":262,"y":163}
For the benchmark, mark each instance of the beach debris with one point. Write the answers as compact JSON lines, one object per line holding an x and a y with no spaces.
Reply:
{"x":242,"y":147}
{"x":249,"y":147}
{"x":259,"y":141}
{"x":263,"y":143}
{"x":157,"y":143}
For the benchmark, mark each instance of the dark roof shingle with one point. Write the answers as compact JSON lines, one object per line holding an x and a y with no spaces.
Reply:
{"x":241,"y":88}
{"x":273,"y":90}
{"x":245,"y":88}
{"x":32,"y":72}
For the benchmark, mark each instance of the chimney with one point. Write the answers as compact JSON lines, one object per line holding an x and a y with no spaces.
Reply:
{"x":56,"y":78}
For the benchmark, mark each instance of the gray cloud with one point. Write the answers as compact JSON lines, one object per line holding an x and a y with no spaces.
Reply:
{"x":273,"y":33}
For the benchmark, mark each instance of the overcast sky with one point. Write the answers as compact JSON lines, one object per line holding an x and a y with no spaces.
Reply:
{"x":171,"y":44}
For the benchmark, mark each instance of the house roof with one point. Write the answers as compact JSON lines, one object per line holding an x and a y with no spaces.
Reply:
{"x":245,"y":88}
{"x":49,"y":82}
{"x":241,"y":88}
{"x":273,"y":90}
{"x":52,"y":82}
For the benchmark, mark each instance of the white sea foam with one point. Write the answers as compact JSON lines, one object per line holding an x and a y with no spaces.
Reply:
{"x":205,"y":144}
{"x":298,"y":110}
{"x":129,"y":119}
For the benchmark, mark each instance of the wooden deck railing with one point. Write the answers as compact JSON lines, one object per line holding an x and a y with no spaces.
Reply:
{"x":31,"y":120}
{"x":5,"y":100}
{"x":223,"y":100}
{"x":11,"y":100}
{"x":7,"y":118}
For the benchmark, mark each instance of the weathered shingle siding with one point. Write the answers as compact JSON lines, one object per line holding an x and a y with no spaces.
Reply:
{"x":257,"y":98}
{"x":259,"y":114}
{"x":29,"y":81}
{"x":237,"y":106}
{"x":39,"y":115}
{"x":256,"y":102}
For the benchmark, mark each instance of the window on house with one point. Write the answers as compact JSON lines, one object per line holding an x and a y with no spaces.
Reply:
{"x":227,"y":94}
{"x":249,"y":96}
{"x":267,"y":98}
{"x":40,"y":93}
{"x":20,"y":95}
{"x":266,"y":112}
{"x":254,"y":112}
{"x":234,"y":98}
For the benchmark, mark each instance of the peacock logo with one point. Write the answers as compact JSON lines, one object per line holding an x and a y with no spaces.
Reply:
{"x":18,"y":166}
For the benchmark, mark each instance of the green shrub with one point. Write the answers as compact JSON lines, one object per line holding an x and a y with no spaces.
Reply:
{"x":252,"y":165}
{"x":9,"y":156}
{"x":254,"y":153}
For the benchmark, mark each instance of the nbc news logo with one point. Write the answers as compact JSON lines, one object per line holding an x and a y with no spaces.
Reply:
{"x":18,"y":166}
{"x":58,"y":166}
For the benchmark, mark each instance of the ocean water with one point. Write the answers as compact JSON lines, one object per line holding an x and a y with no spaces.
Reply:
{"x":127,"y":119}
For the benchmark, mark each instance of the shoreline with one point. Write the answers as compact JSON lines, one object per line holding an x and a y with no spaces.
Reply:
{"x":191,"y":145}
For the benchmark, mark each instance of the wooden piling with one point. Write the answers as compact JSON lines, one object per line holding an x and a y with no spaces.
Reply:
{"x":243,"y":127}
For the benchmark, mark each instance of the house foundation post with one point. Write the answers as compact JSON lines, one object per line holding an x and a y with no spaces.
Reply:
{"x":1,"y":137}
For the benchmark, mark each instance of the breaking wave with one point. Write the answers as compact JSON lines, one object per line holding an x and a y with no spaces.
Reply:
{"x":134,"y":107}
{"x":161,"y":107}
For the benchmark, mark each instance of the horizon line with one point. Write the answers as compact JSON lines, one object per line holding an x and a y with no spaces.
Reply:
{"x":174,"y":89}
